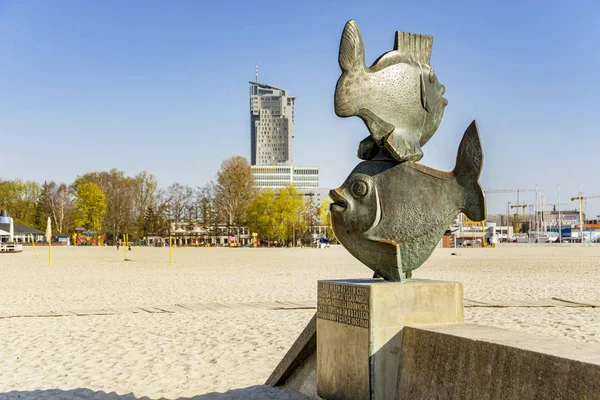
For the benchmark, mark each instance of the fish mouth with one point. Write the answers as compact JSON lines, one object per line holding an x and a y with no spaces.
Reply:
{"x":343,"y":109}
{"x":339,"y":203}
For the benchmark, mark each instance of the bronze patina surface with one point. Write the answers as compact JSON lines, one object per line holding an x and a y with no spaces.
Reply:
{"x":391,"y":212}
{"x":399,"y":97}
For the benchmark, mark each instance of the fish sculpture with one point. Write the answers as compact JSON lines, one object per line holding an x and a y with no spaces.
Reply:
{"x":391,"y":215}
{"x":399,"y":97}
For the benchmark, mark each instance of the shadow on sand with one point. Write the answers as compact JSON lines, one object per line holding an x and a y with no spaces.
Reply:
{"x":252,"y":392}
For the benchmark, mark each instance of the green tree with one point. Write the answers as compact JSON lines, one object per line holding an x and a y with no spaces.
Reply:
{"x":278,"y":216}
{"x":90,"y":206}
{"x":21,"y":200}
{"x":261,"y":217}
{"x":325,"y":217}
{"x":120,"y":192}
{"x":288,"y":209}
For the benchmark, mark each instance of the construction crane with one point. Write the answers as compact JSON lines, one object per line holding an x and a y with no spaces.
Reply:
{"x":517,"y":191}
{"x":523,"y":206}
{"x":581,"y":198}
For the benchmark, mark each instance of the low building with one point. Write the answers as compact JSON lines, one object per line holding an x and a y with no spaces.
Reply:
{"x":189,"y":234}
{"x":280,"y":176}
{"x":568,"y":218}
{"x":465,"y":233}
{"x":15,"y":232}
{"x":503,"y":233}
{"x":304,"y":179}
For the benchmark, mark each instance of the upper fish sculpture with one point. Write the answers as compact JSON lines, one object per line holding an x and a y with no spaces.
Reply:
{"x":391,"y":215}
{"x":399,"y":97}
{"x":391,"y":212}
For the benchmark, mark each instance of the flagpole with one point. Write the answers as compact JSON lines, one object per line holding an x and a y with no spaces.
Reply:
{"x":49,"y":240}
{"x":559,"y":221}
{"x":33,"y":244}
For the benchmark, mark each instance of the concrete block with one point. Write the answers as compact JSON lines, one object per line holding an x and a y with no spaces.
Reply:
{"x":465,"y":361}
{"x":358,"y":326}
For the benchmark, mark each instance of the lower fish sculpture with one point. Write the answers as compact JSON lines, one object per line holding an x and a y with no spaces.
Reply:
{"x":391,"y":215}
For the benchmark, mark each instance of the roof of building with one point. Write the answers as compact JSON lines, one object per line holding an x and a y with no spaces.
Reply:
{"x":20,"y":229}
{"x":262,"y":85}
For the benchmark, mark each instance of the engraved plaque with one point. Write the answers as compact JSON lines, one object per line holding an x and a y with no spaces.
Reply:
{"x":346,"y":304}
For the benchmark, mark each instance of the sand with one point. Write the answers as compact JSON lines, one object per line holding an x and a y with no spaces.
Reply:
{"x":227,"y":353}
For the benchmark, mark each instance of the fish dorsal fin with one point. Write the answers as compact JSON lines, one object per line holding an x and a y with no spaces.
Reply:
{"x":408,"y":48}
{"x":414,"y":47}
{"x":352,"y":48}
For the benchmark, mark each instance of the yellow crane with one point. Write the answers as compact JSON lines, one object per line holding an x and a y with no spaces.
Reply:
{"x":581,"y":198}
{"x":523,"y":206}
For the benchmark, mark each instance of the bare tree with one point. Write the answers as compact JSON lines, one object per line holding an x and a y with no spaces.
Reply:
{"x":57,"y":202}
{"x":234,"y":190}
{"x":206,"y":209}
{"x":146,"y":191}
{"x":176,"y":202}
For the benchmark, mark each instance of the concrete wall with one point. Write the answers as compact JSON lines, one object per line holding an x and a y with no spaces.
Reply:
{"x":297,"y":370}
{"x":466,"y":361}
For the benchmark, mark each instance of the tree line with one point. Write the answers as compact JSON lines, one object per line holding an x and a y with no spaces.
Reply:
{"x":112,"y":203}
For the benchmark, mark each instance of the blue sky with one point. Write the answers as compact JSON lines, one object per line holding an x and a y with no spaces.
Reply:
{"x":163,"y":86}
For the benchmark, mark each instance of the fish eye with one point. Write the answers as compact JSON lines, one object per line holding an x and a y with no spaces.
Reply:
{"x":359,"y":188}
{"x":431,"y":76}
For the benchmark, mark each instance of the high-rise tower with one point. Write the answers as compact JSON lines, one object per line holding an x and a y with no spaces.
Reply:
{"x":271,"y":125}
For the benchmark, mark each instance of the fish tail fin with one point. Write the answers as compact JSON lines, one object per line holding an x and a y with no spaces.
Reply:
{"x":469,"y":162}
{"x":352,"y":48}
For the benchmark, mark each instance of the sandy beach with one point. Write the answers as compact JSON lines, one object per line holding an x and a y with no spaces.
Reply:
{"x":230,"y":337}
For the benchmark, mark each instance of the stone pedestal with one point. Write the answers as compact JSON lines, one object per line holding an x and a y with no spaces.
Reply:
{"x":359,"y":328}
